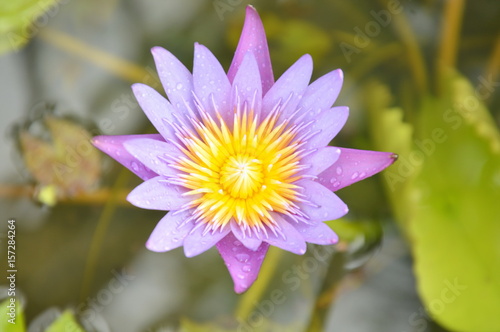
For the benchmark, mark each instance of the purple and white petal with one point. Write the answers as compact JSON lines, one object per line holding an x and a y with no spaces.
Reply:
{"x":247,"y":87}
{"x":286,"y":237}
{"x":211,"y":84}
{"x":289,"y":88}
{"x":253,"y":39}
{"x":251,"y":241}
{"x":154,"y":154}
{"x":170,"y":232}
{"x":158,"y":110}
{"x":323,"y":204}
{"x":157,"y":194}
{"x":321,"y":159}
{"x":321,"y":94}
{"x":199,"y":240}
{"x":318,"y":234}
{"x":353,"y":166}
{"x":176,"y":80}
{"x":114,"y":147}
{"x":243,"y":264}
{"x":326,"y":126}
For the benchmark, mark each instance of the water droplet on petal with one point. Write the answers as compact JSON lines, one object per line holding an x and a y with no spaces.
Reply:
{"x":362,"y":175}
{"x":237,"y":243}
{"x":241,"y":276}
{"x":339,"y":170}
{"x":333,"y":180}
{"x":246,"y":268}
{"x":179,"y":86}
{"x":336,"y":184}
{"x":135,"y":166}
{"x":354,"y":175}
{"x":242,"y":258}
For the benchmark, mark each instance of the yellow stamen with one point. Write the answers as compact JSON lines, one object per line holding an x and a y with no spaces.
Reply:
{"x":241,"y":174}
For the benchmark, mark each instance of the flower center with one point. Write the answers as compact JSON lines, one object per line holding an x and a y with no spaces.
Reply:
{"x":243,"y":173}
{"x":241,"y":176}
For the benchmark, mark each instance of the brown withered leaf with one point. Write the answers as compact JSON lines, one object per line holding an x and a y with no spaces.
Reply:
{"x":65,"y":166}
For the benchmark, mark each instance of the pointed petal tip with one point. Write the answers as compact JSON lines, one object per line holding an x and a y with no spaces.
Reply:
{"x":155,"y":50}
{"x":240,"y":288}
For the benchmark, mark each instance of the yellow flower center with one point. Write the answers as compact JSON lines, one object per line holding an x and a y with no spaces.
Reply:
{"x":241,"y":176}
{"x":242,"y":173}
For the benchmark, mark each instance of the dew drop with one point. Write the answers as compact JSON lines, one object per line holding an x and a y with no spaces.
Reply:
{"x":333,"y":180}
{"x":179,"y":86}
{"x":135,"y":166}
{"x":241,"y":276}
{"x":246,"y":268}
{"x":338,"y":170}
{"x":354,"y":175}
{"x":242,"y":258}
{"x":237,"y":243}
{"x":336,"y":184}
{"x":362,"y":175}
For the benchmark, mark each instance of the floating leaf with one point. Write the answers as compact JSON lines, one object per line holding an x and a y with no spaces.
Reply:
{"x":20,"y":20}
{"x":453,"y":219}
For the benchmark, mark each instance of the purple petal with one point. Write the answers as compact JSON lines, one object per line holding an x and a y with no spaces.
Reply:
{"x":211,"y":84}
{"x":318,"y":234}
{"x":325,"y":205}
{"x":170,"y":232}
{"x":157,"y":194}
{"x":158,"y":110}
{"x":321,"y":94}
{"x":154,"y":154}
{"x":253,"y":39}
{"x":326,"y":126}
{"x":247,"y":87}
{"x":353,"y":166}
{"x":197,"y":241}
{"x":249,"y":241}
{"x":243,"y":264}
{"x":175,"y":78}
{"x":114,"y":147}
{"x":289,"y":88}
{"x":287,"y":237}
{"x":321,"y":159}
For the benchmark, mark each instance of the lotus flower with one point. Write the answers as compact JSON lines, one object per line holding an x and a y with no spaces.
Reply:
{"x":241,"y":162}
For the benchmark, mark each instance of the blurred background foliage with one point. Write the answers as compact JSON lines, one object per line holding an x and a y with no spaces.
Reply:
{"x":419,"y":250}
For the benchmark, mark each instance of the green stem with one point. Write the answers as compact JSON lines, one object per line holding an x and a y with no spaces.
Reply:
{"x":450,"y":33}
{"x":248,"y":300}
{"x":100,"y":232}
{"x":413,"y":51}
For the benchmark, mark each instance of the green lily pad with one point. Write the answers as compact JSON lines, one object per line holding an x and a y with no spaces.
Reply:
{"x":449,"y":204}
